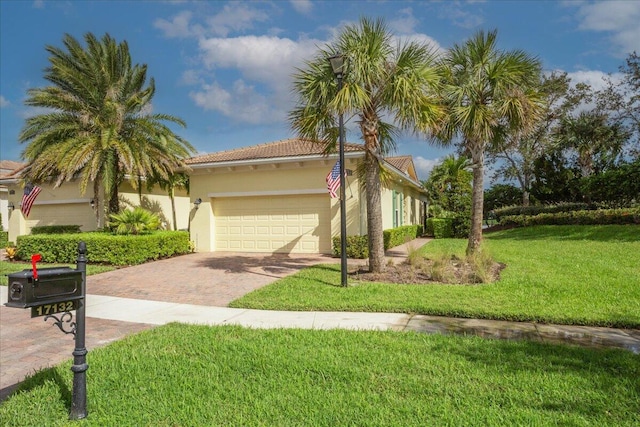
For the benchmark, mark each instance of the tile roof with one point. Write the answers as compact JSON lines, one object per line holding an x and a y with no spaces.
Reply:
{"x":9,"y":167}
{"x":293,"y":147}
{"x":402,"y":163}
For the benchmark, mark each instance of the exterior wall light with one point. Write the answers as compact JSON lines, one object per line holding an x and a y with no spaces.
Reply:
{"x":196,"y":202}
{"x":11,"y":206}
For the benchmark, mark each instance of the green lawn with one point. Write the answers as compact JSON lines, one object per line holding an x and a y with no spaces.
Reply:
{"x":180,"y":375}
{"x":7,"y":267}
{"x":586,"y":275}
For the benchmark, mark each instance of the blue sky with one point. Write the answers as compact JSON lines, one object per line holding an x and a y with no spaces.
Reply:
{"x":225,"y":67}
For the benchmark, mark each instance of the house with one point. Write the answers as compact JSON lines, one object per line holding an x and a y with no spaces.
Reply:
{"x":269,"y":197}
{"x":6,"y":168}
{"x":273,"y":198}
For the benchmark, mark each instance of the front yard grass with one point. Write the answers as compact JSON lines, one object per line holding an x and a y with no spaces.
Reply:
{"x":198,"y":375}
{"x":583,"y":275}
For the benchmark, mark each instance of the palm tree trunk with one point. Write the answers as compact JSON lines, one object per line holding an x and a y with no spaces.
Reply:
{"x":374,"y":213}
{"x":477,"y":195}
{"x":97,"y":203}
{"x":172,"y":196}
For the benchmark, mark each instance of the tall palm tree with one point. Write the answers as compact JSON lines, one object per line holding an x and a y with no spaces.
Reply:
{"x":97,"y":125}
{"x":488,"y":93}
{"x":382,"y":80}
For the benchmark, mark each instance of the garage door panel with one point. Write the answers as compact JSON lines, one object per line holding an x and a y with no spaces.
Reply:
{"x":298,"y":224}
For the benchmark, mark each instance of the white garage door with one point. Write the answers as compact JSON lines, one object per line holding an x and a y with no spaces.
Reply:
{"x":286,"y":224}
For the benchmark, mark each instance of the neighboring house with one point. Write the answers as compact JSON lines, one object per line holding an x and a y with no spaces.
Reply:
{"x":6,"y":168}
{"x":66,"y":206}
{"x":264,"y":198}
{"x":273,"y":198}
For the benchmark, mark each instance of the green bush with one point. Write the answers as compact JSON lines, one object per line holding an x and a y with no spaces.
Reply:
{"x":56,"y":229}
{"x":440,"y":228}
{"x":136,"y":221}
{"x":105,"y":248}
{"x":539,"y":209}
{"x":4,"y":239}
{"x":358,"y":246}
{"x":585,"y":217}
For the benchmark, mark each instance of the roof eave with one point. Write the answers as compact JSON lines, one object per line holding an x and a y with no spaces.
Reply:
{"x":269,"y":160}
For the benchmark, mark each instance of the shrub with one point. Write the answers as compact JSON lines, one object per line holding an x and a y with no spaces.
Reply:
{"x":105,"y":248}
{"x":358,"y":246}
{"x":538,"y":209}
{"x":585,"y":217}
{"x":440,"y":228}
{"x":136,"y":221}
{"x":4,"y":239}
{"x":56,"y":229}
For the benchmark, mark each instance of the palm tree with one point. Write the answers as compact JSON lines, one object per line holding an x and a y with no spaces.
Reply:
{"x":98,"y":126}
{"x":382,"y":80}
{"x":488,"y":93}
{"x":170,"y":184}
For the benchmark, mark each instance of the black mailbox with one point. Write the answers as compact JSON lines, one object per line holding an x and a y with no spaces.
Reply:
{"x":50,"y":286}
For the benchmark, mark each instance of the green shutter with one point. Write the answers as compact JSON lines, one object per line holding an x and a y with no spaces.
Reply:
{"x":394,"y":213}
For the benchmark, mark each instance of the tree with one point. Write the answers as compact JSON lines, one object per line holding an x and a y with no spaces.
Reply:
{"x":382,"y":80}
{"x":98,"y":124}
{"x":488,"y":93}
{"x":449,"y":187}
{"x":501,"y":195}
{"x":170,"y":184}
{"x":516,"y":152}
{"x":622,"y":101}
{"x":595,"y":143}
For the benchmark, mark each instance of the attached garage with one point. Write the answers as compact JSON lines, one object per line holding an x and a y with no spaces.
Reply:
{"x":280,"y":224}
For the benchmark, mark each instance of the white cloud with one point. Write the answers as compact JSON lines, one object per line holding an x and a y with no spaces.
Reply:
{"x":594,"y":78}
{"x":405,"y":23}
{"x":454,"y":12}
{"x":619,"y":18}
{"x":235,"y":17}
{"x":266,"y":59}
{"x":242,"y":102}
{"x":424,"y":166}
{"x":38,"y":4}
{"x":302,"y":6}
{"x":4,"y":102}
{"x":179,"y":26}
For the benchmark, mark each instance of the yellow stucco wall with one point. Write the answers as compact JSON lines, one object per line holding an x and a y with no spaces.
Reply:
{"x":66,"y":205}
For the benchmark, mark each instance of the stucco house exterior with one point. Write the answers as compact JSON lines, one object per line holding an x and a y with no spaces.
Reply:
{"x":269,"y":198}
{"x":6,"y":168}
{"x":273,"y":198}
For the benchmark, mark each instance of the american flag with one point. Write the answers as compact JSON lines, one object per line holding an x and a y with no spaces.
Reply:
{"x":30,"y":193}
{"x":333,"y":180}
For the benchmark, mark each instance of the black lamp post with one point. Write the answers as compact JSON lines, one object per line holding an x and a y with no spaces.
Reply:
{"x":337,"y":64}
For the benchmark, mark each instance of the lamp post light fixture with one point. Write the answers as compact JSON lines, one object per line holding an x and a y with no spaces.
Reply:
{"x":337,"y":65}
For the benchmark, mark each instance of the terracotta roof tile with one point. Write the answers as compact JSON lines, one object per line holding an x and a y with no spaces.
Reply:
{"x":402,"y":163}
{"x":284,"y":148}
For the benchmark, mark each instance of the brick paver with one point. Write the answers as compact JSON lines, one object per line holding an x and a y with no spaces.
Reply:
{"x":210,"y":278}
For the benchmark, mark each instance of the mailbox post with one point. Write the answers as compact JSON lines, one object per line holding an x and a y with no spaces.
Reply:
{"x":57,"y":291}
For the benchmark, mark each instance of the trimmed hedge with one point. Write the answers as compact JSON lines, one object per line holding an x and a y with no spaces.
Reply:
{"x":56,"y":229}
{"x":440,"y":228}
{"x":540,"y":209}
{"x":105,"y":248}
{"x":4,"y":239}
{"x":358,"y":246}
{"x":585,"y":217}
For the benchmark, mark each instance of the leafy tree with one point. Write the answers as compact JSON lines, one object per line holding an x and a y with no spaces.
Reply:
{"x":382,"y":80}
{"x":622,"y":101}
{"x":98,"y":125}
{"x":449,"y":187}
{"x":488,"y":92}
{"x":136,"y":221}
{"x":555,"y":179}
{"x":516,"y":152}
{"x":591,"y":141}
{"x":501,"y":195}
